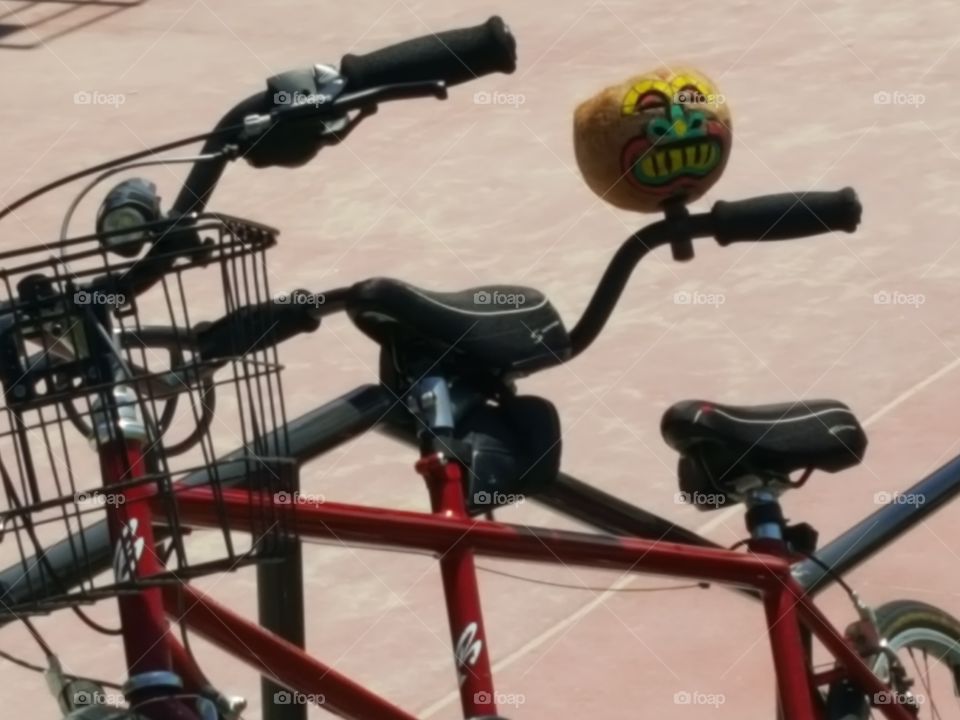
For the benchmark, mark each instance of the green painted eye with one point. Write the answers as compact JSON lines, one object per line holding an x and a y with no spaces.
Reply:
{"x":658,"y":128}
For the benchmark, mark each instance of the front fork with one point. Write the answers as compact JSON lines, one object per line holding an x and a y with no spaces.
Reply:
{"x":446,"y":481}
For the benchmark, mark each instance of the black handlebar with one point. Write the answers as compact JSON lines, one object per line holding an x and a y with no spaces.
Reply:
{"x":256,"y":327}
{"x":203,"y":177}
{"x":415,"y":68}
{"x":768,"y":217}
{"x":454,"y":56}
{"x":786,"y":216}
{"x":424,"y":66}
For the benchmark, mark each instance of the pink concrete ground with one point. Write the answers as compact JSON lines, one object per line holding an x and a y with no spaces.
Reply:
{"x":455,"y":194}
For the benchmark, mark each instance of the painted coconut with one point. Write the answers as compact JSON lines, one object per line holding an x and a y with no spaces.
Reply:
{"x":657,"y":137}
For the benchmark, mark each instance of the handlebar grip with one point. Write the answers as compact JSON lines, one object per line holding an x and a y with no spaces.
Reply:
{"x":256,"y":327}
{"x":454,"y":56}
{"x":786,"y":216}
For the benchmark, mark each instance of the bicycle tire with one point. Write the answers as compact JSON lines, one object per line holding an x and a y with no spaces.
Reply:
{"x":906,"y":625}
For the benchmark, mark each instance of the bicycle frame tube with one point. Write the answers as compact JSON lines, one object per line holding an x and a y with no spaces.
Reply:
{"x":470,"y":647}
{"x":131,"y":534}
{"x":786,"y":604}
{"x":146,"y":637}
{"x":862,"y":541}
{"x":369,"y":407}
{"x":150,"y":687}
{"x":276,"y":658}
{"x":608,"y":513}
{"x":310,"y":435}
{"x":789,"y":656}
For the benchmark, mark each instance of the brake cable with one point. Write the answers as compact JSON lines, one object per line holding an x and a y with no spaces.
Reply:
{"x":524,"y":578}
{"x":49,"y":654}
{"x":192,"y":159}
{"x":567,"y":586}
{"x":156,"y":150}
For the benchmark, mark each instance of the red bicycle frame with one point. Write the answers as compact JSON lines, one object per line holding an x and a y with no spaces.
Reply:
{"x":131,"y":534}
{"x":455,"y":537}
{"x":148,"y":645}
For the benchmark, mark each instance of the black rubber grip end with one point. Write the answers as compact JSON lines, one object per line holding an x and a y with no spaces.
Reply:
{"x":256,"y":327}
{"x":786,"y":216}
{"x":454,"y":56}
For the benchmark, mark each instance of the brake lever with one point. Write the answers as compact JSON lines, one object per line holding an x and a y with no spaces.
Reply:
{"x":366,"y":103}
{"x":334,"y":133}
{"x":335,"y":114}
{"x":386,"y":93}
{"x":359,"y":100}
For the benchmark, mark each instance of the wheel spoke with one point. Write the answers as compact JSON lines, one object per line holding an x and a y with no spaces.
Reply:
{"x":924,"y":677}
{"x":910,"y":629}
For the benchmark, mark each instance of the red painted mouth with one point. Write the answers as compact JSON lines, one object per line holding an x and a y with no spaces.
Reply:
{"x":670,"y":167}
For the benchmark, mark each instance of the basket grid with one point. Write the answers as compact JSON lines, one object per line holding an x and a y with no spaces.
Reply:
{"x":76,"y":368}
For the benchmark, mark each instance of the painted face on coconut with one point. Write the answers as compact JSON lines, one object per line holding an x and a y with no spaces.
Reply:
{"x":658,"y":136}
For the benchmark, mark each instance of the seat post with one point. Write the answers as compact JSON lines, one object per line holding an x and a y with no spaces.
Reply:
{"x":764,"y":514}
{"x":430,"y":401}
{"x":445,"y":476}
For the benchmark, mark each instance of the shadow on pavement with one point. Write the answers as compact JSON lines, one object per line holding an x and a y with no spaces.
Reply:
{"x":24,"y":25}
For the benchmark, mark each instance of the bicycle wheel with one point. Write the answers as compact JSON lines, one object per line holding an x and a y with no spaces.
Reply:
{"x":926,"y":641}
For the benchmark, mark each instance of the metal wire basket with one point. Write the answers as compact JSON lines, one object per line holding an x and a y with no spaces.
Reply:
{"x":82,"y":356}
